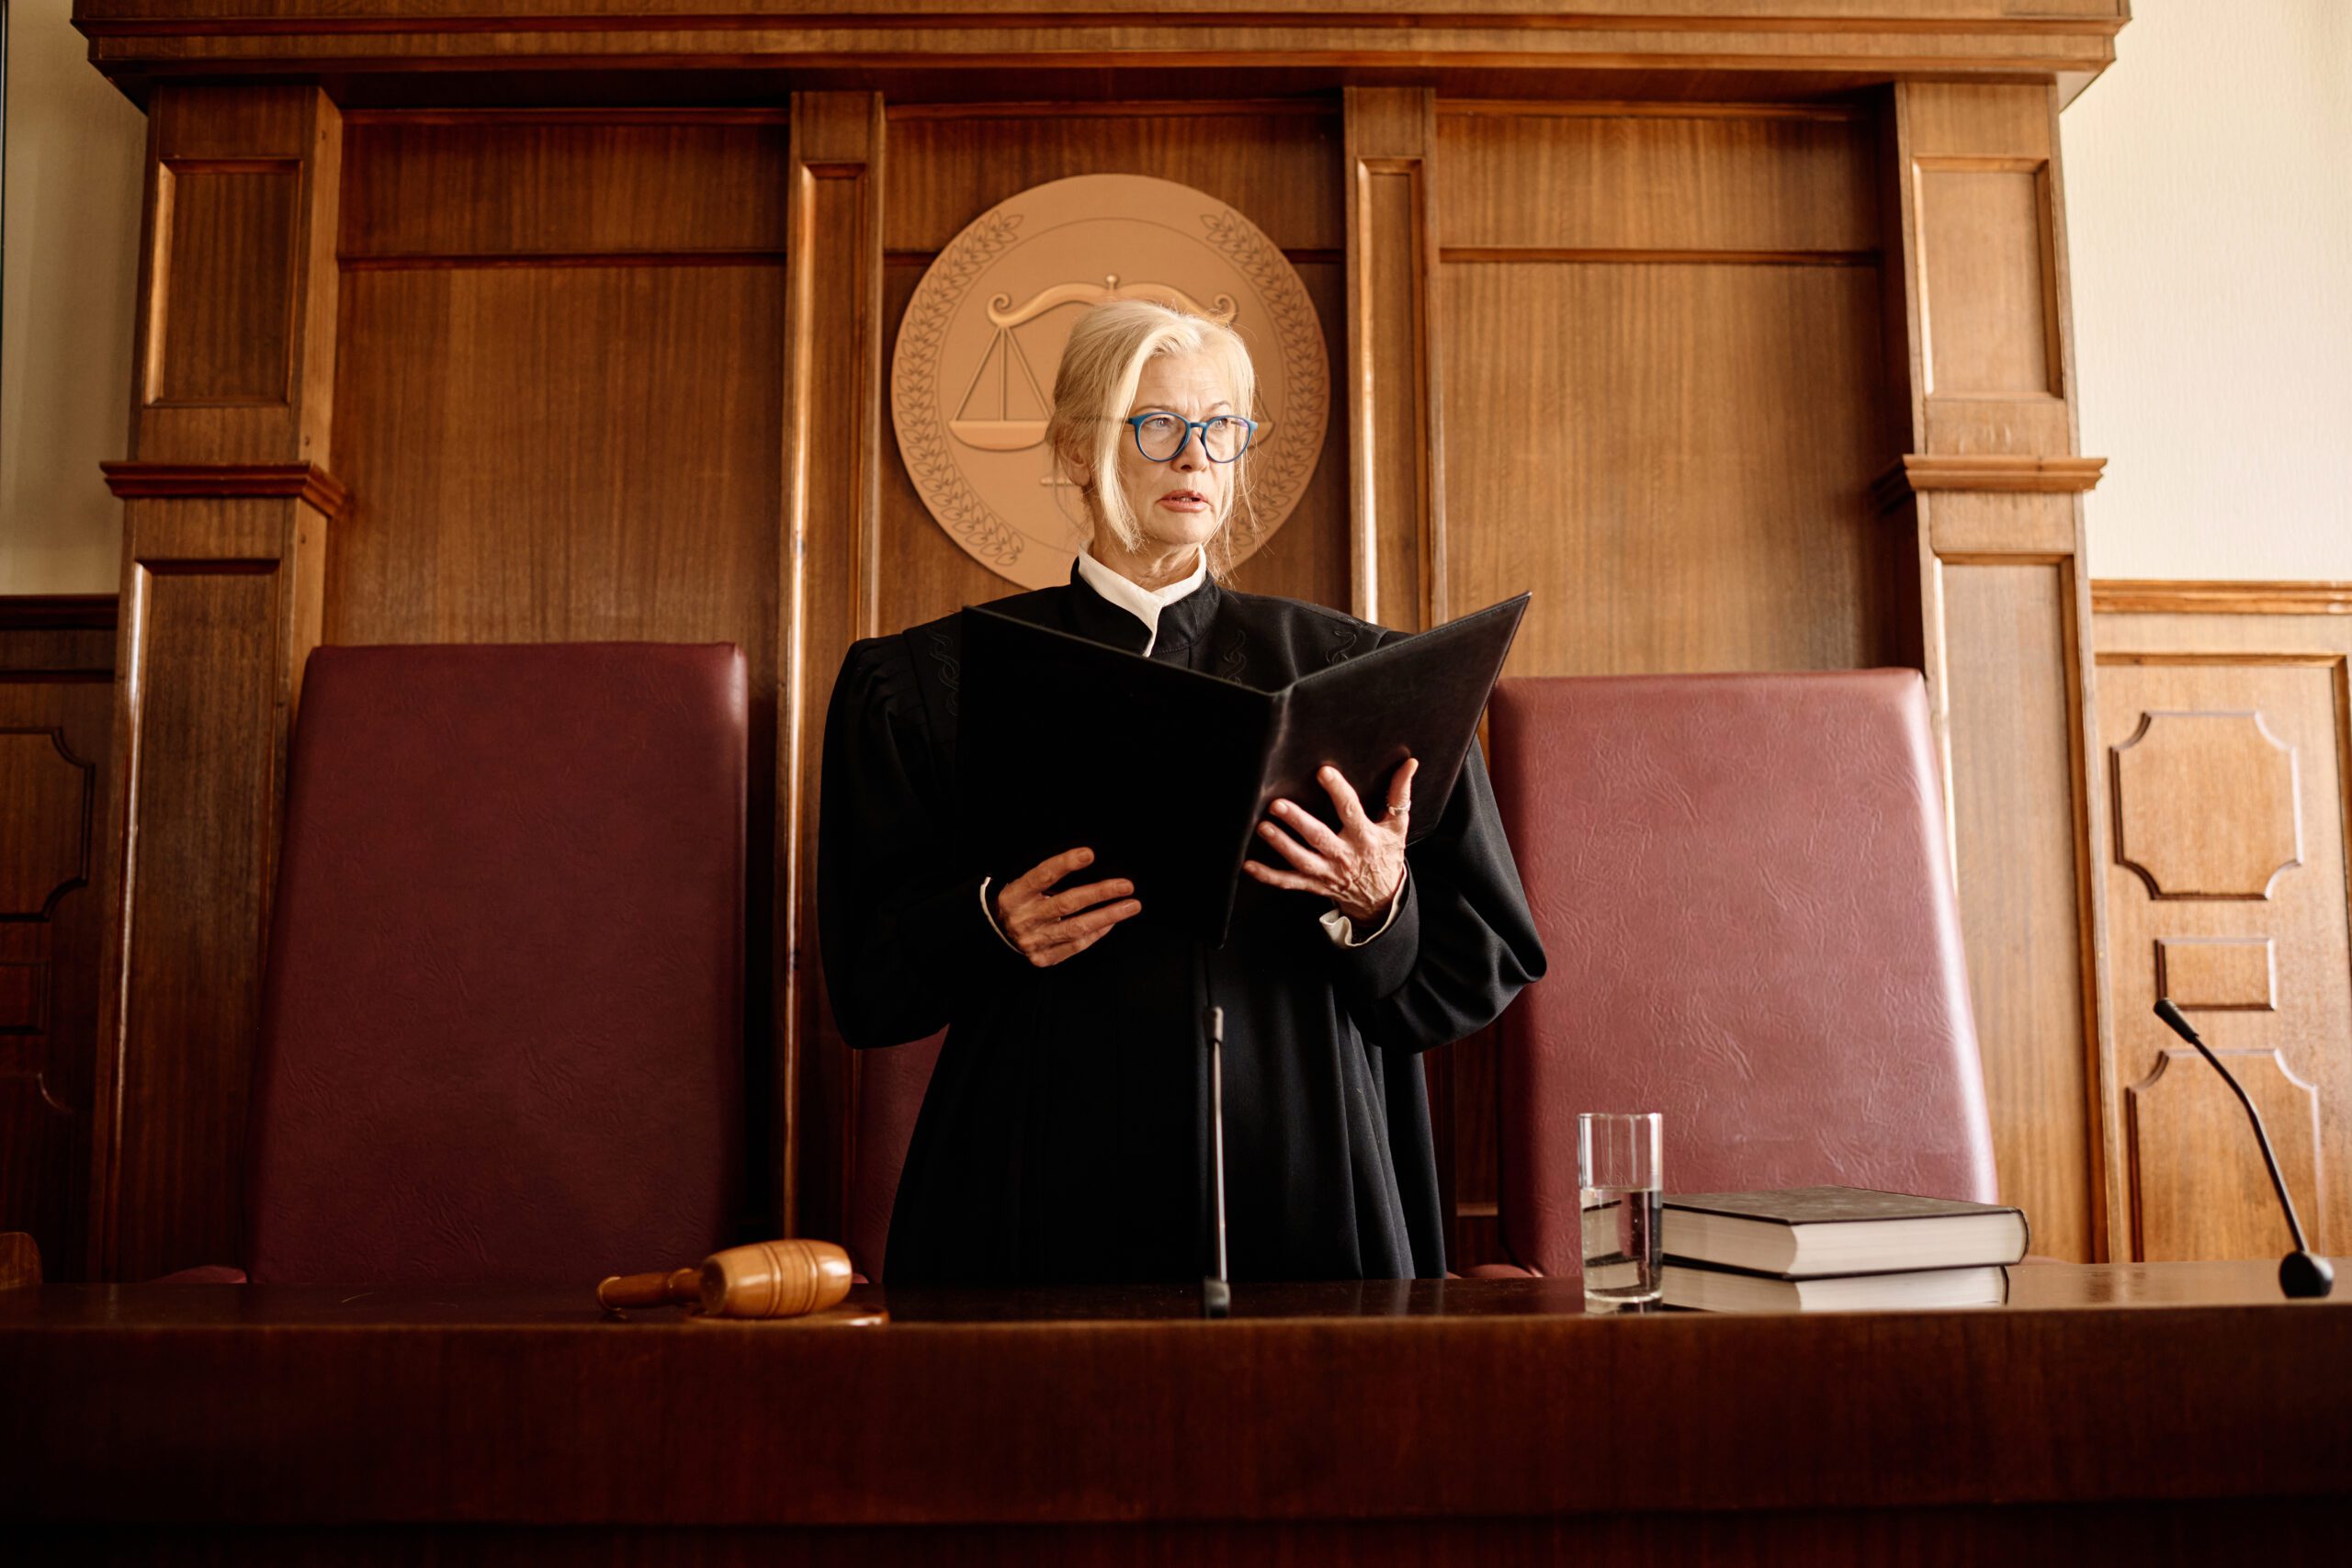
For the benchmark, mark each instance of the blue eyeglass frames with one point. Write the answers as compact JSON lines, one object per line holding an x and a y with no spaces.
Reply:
{"x":1162,"y":436}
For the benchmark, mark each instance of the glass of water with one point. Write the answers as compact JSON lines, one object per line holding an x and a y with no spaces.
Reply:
{"x":1617,"y":1168}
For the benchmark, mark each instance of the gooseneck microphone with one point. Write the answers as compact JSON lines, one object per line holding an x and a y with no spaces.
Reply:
{"x":1217,"y":1293}
{"x":2301,"y":1272}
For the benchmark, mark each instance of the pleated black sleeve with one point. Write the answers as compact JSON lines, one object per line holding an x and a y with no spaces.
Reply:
{"x":1462,"y":943}
{"x":899,"y":926}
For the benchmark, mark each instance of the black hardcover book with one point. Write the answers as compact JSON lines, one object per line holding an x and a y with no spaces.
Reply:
{"x":1809,"y":1231}
{"x":1165,"y":772}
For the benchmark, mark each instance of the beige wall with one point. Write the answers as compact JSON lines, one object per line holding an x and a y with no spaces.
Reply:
{"x":74,"y":147}
{"x":2209,"y":195}
{"x":2209,"y":184}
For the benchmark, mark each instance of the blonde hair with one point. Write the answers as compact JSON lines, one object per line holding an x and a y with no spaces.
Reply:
{"x":1099,"y":371}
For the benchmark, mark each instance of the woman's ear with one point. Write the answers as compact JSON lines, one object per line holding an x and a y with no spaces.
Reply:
{"x":1075,"y":470}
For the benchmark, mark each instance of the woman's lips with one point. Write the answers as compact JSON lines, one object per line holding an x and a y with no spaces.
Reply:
{"x":1185,"y":501}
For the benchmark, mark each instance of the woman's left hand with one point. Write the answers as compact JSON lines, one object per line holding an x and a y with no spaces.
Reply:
{"x":1359,"y":867}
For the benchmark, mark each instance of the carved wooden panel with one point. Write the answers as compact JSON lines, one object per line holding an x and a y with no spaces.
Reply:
{"x":45,"y":800}
{"x":1984,"y":234}
{"x":2206,"y":805}
{"x":1987,"y":246}
{"x":2200,"y":1187}
{"x":2201,"y":973}
{"x":226,"y":259}
{"x":2206,"y":787}
{"x":56,"y":713}
{"x":236,"y":324}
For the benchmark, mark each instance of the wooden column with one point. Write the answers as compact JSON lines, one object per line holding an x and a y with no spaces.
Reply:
{"x":1398,"y":493}
{"x":1397,"y":498}
{"x":1987,"y":499}
{"x":830,"y":586}
{"x":227,"y":500}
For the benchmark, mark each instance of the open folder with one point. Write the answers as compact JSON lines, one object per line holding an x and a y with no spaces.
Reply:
{"x":1165,"y":773}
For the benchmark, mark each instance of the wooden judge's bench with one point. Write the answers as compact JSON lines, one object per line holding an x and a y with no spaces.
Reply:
{"x":2162,"y":1413}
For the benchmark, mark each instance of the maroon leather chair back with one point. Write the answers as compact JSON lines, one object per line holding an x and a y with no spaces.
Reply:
{"x":502,"y":1030}
{"x":1743,"y":887}
{"x":890,"y":1085}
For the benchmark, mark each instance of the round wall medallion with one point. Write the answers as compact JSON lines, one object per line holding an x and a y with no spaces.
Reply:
{"x":972,"y":381}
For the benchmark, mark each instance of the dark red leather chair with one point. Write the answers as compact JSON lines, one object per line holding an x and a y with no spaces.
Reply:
{"x":502,"y":1016}
{"x":890,"y":1085}
{"x":1744,"y":886}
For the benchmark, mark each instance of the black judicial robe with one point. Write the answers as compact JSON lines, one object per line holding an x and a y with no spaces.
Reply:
{"x":1063,"y":1136}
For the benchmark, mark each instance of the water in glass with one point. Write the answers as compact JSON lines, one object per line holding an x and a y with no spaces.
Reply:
{"x":1621,"y":1246}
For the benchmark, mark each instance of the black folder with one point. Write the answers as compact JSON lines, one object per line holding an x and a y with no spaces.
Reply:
{"x":1165,"y":772}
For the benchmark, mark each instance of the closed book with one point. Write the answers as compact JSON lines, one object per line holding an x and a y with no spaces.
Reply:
{"x":1709,"y":1289}
{"x":1165,"y":773}
{"x":1809,"y":1231}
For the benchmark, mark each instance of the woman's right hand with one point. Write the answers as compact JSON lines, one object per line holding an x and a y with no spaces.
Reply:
{"x":1050,"y":927}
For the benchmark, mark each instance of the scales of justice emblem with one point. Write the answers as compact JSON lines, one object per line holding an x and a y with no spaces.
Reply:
{"x":972,"y":377}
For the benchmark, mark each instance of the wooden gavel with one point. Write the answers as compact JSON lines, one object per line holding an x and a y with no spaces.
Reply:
{"x":767,"y":1278}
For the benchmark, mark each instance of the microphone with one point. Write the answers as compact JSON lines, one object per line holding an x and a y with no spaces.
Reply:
{"x":1217,"y":1293}
{"x":2301,"y":1272}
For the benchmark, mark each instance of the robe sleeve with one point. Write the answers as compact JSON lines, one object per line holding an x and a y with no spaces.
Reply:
{"x":1461,"y":944}
{"x":900,"y":925}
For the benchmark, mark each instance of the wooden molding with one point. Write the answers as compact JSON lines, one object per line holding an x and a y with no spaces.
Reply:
{"x":2149,"y":596}
{"x":1997,"y":472}
{"x":150,"y":480}
{"x":144,"y":42}
{"x":58,"y":612}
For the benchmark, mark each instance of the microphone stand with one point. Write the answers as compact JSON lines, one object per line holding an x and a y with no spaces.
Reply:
{"x":1217,"y":1292}
{"x":2301,"y":1272}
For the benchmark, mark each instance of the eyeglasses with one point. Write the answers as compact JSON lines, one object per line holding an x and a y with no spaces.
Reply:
{"x":1162,"y":436}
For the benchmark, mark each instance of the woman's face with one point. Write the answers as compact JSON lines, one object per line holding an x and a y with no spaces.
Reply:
{"x":1181,"y":501}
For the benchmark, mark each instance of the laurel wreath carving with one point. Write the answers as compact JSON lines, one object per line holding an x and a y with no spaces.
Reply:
{"x":1285,"y":452}
{"x":922,"y":434}
{"x":1290,"y":449}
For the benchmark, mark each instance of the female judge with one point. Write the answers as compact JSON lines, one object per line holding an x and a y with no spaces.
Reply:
{"x":1062,"y":1135}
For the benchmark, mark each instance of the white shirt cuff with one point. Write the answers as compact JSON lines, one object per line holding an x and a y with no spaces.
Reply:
{"x":989,"y":912}
{"x":1343,"y":931}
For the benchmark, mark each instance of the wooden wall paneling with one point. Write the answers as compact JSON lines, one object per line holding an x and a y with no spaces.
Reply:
{"x":558,"y":395}
{"x":56,"y":723}
{"x":228,"y":502}
{"x":1661,"y":340}
{"x":2230,"y":736}
{"x":1985,"y":495}
{"x":830,"y":587}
